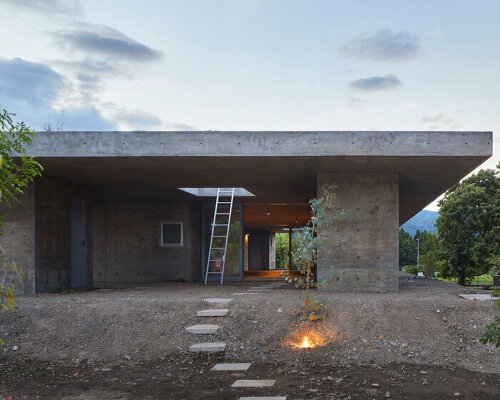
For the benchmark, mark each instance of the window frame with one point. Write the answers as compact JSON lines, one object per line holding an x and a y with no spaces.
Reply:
{"x":181,"y":244}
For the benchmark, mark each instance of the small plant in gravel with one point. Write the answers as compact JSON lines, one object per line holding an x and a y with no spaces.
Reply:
{"x":492,"y":333}
{"x":325,"y":211}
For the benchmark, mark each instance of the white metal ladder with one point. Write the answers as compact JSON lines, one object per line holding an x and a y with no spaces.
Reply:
{"x":218,"y":241}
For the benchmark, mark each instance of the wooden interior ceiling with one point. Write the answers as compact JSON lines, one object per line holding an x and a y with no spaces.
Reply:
{"x":275,"y":216}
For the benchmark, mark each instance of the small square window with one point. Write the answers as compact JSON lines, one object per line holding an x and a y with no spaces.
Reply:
{"x":171,"y":234}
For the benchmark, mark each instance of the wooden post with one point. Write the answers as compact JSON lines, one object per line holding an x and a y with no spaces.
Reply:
{"x":290,"y":248}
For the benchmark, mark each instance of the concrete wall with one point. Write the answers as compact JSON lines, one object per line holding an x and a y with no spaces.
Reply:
{"x":52,"y":232}
{"x":18,"y":241}
{"x":363,"y":247}
{"x":126,"y":243}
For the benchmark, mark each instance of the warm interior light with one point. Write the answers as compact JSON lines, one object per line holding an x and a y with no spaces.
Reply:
{"x":268,"y":212}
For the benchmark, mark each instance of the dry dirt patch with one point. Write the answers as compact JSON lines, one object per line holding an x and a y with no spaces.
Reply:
{"x":426,"y":325}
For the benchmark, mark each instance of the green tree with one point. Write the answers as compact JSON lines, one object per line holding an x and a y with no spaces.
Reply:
{"x":281,"y":250}
{"x":15,"y":175}
{"x":325,"y":210}
{"x":407,"y":249}
{"x":469,"y":225}
{"x":430,"y":257}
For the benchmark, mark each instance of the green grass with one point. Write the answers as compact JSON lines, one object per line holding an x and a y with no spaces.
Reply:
{"x":484,"y":279}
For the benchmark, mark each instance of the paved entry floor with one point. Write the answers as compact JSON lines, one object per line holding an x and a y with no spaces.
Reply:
{"x":132,"y":344}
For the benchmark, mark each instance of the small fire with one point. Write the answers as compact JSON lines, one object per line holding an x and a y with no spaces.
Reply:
{"x":308,"y":336}
{"x":306,"y":344}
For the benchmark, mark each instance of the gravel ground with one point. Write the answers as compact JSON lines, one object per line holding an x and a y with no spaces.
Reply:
{"x":382,"y":339}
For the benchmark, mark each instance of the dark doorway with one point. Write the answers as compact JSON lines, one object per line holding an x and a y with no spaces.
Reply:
{"x":77,"y":244}
{"x":258,"y":250}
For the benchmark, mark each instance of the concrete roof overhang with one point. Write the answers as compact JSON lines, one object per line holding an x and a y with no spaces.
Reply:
{"x":278,"y":167}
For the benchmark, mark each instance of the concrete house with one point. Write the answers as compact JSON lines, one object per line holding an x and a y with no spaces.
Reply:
{"x":122,"y":208}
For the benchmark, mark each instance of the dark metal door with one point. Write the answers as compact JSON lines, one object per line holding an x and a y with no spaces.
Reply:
{"x":77,"y":244}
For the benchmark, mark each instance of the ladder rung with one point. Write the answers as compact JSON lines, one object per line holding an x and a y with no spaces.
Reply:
{"x":219,"y":236}
{"x":223,"y":213}
{"x":218,"y":248}
{"x":211,"y":272}
{"x":214,"y":260}
{"x":221,"y":225}
{"x":224,"y":202}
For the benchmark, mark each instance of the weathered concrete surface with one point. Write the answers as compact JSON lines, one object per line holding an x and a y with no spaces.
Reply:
{"x":203,"y":329}
{"x":214,"y":347}
{"x":157,"y":163}
{"x":253,"y":383}
{"x":261,"y":143}
{"x":231,"y":367}
{"x":363,"y":247}
{"x":53,"y":233}
{"x":126,"y":237}
{"x":18,"y":240}
{"x":218,"y":312}
{"x":219,"y":301}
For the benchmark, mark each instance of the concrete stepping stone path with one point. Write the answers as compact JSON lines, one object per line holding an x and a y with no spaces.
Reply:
{"x":215,"y":312}
{"x":231,"y":367}
{"x":203,"y":329}
{"x":218,"y":301}
{"x":253,"y":383}
{"x":211,"y":347}
{"x":264,"y":398}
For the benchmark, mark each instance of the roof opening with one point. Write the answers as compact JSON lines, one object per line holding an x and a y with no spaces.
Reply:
{"x":212,"y":192}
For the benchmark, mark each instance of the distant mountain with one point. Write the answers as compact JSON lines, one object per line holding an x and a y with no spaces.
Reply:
{"x":423,"y":221}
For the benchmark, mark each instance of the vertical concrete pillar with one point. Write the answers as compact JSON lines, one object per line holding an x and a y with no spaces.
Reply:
{"x":272,"y":250}
{"x":363,"y":247}
{"x":18,"y":240}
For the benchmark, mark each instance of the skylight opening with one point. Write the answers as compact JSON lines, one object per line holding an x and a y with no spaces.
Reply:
{"x":212,"y":192}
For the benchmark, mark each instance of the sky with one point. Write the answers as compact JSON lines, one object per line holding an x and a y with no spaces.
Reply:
{"x":252,"y":65}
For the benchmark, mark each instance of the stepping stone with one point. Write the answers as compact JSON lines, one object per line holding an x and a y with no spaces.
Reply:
{"x":214,"y":347}
{"x":253,"y":383}
{"x":479,"y":296}
{"x":264,"y":398}
{"x":231,"y":367}
{"x":203,"y":329}
{"x":218,"y":301}
{"x":243,"y":294}
{"x":217,"y":312}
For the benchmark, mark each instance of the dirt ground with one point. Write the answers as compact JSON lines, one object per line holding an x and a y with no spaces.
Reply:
{"x":420,"y":343}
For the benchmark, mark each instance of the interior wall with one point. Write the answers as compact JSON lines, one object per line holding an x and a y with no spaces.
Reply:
{"x":127,"y":248}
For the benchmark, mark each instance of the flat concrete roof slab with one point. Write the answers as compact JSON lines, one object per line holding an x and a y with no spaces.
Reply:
{"x":277,"y":167}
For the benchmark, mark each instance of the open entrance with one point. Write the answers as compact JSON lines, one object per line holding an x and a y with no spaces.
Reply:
{"x":268,"y":238}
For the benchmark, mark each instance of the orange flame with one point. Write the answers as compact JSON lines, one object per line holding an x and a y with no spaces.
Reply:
{"x":306,"y":344}
{"x":309,"y":336}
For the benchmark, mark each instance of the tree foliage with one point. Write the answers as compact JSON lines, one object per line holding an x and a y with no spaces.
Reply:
{"x":407,"y":249}
{"x":17,"y":170}
{"x":469,"y":225}
{"x":15,"y":174}
{"x":325,"y":210}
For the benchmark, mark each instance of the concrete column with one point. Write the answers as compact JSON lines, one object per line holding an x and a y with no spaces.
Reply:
{"x":364,"y":255}
{"x":18,"y":240}
{"x":272,"y":250}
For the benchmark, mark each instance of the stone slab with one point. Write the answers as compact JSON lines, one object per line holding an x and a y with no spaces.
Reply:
{"x":218,"y":301}
{"x":242,"y":294}
{"x":203,"y":329}
{"x":479,"y":296}
{"x":211,"y":347}
{"x":231,"y":367}
{"x":260,"y":288}
{"x":253,"y":383}
{"x":216,"y":312}
{"x":264,"y":398}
